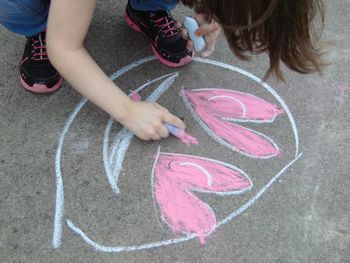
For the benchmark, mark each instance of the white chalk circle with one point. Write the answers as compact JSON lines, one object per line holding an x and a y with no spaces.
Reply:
{"x":58,"y":221}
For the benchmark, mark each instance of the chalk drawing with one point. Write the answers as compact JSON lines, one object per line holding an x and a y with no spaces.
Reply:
{"x":206,"y":183}
{"x":177,"y":176}
{"x":57,"y":231}
{"x":124,"y":137}
{"x":216,"y":107}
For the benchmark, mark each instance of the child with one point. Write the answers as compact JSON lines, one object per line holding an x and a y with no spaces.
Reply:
{"x":279,"y":27}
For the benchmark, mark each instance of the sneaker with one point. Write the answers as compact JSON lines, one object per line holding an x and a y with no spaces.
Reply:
{"x":165,"y":37}
{"x":36,"y":72}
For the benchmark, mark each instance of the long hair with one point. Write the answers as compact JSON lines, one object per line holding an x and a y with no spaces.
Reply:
{"x":281,"y":28}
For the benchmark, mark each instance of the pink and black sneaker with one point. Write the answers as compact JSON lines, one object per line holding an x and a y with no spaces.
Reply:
{"x":36,"y":72}
{"x":165,"y":37}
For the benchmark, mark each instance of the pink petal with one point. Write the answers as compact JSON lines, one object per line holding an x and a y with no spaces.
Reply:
{"x":216,"y":106}
{"x":242,"y":139}
{"x":233,"y":104}
{"x":201,"y":174}
{"x":177,"y":175}
{"x":184,"y":212}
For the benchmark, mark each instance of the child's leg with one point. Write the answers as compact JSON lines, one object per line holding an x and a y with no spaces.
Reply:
{"x":24,"y":17}
{"x":29,"y":18}
{"x":152,"y":18}
{"x":153,"y":5}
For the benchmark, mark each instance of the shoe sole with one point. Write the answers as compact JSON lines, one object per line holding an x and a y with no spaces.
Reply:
{"x":184,"y":61}
{"x":41,"y":88}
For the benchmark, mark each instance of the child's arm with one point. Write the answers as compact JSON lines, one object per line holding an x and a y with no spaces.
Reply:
{"x":67,"y":27}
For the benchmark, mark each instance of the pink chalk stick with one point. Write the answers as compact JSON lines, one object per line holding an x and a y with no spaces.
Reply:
{"x":135,"y":96}
{"x":183,"y":136}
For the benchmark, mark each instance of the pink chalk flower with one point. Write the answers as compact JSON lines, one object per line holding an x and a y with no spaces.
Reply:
{"x":217,"y":109}
{"x":178,"y":176}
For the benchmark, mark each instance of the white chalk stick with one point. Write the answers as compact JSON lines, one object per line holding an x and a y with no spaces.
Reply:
{"x":191,"y":25}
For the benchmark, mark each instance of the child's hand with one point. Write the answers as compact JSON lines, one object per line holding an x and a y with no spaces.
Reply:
{"x":210,"y":32}
{"x":146,"y":119}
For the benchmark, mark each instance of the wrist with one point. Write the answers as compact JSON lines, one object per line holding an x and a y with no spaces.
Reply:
{"x":122,"y":113}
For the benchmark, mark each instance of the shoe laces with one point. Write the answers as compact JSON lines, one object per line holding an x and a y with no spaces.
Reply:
{"x":166,"y":23}
{"x":38,"y":47}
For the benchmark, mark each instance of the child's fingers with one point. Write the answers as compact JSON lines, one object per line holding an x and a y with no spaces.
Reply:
{"x":155,"y":137}
{"x":184,"y":32}
{"x":189,"y":45}
{"x":209,"y":48}
{"x":207,"y":53}
{"x":165,"y":110}
{"x":163,"y":132}
{"x":210,"y":32}
{"x":169,"y":118}
{"x":173,"y":120}
{"x":207,"y":29}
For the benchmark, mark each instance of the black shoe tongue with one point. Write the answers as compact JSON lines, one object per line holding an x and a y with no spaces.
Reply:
{"x":43,"y":35}
{"x":159,"y":14}
{"x":38,"y":35}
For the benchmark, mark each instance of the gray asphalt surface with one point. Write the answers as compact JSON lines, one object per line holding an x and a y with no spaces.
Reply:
{"x":302,"y":217}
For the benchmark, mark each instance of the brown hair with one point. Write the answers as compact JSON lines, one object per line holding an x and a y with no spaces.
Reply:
{"x":282,"y":28}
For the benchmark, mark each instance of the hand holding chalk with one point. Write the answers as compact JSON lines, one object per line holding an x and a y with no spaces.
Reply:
{"x":192,"y":26}
{"x":145,"y":119}
{"x":179,"y":133}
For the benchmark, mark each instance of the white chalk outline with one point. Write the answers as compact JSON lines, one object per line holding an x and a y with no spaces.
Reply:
{"x":57,"y":229}
{"x":119,"y":249}
{"x":57,"y":232}
{"x":113,"y":166}
{"x":264,"y":85}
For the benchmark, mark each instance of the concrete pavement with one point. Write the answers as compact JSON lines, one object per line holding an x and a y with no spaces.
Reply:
{"x":301,"y":216}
